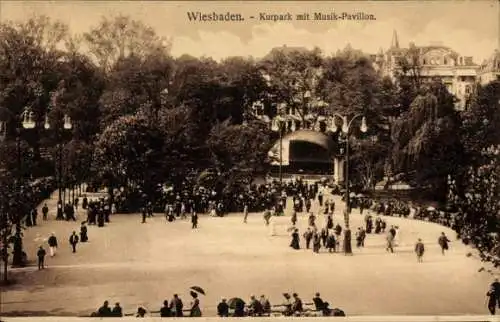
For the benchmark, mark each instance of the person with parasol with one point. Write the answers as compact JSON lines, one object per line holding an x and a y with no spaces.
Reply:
{"x":195,"y":310}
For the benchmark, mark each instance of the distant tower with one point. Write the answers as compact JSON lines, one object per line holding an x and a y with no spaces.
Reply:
{"x":395,"y":41}
{"x":498,"y":45}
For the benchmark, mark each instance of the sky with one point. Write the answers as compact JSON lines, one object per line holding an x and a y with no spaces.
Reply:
{"x":471,"y":28}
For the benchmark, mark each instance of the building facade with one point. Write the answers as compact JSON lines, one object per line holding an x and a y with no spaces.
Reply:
{"x":460,"y":74}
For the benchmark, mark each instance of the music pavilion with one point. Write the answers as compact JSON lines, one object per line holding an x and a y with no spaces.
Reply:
{"x":307,"y":152}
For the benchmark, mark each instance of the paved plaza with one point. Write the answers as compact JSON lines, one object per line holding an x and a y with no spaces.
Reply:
{"x":143,"y":264}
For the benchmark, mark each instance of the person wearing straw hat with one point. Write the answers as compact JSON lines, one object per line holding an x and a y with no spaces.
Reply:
{"x":255,"y":307}
{"x":266,"y":305}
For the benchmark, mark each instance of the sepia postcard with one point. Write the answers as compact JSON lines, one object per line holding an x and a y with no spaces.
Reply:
{"x":250,"y":159}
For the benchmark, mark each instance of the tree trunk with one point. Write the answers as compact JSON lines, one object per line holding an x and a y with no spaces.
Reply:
{"x":5,"y":259}
{"x":17,"y":259}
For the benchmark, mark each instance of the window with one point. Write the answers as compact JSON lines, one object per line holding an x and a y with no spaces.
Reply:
{"x":425,"y":61}
{"x":445,"y":61}
{"x":467,"y":89}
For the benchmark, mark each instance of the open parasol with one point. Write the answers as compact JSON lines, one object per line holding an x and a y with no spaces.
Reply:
{"x":234,"y":302}
{"x":198,"y":289}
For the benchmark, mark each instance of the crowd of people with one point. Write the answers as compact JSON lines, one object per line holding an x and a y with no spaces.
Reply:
{"x":53,"y":244}
{"x":272,"y":200}
{"x":455,"y":218}
{"x":187,"y":198}
{"x":234,"y":307}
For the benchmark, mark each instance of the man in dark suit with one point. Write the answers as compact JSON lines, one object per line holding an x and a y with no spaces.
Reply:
{"x":194,"y":220}
{"x":165,"y":310}
{"x":318,"y":302}
{"x":223,"y":309}
{"x":496,"y":286}
{"x":117,"y":311}
{"x":45,"y":211}
{"x":176,"y":306}
{"x":41,"y":257}
{"x":104,"y":310}
{"x":73,"y":240}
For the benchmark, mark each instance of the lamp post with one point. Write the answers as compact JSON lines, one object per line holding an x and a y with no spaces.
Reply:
{"x":27,"y":123}
{"x":278,"y":125}
{"x":67,"y":125}
{"x":346,"y":127}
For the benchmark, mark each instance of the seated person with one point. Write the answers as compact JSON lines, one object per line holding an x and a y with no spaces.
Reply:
{"x":141,"y":312}
{"x":297,"y":304}
{"x":255,"y":307}
{"x":288,"y":305}
{"x":104,"y":310}
{"x":318,"y":302}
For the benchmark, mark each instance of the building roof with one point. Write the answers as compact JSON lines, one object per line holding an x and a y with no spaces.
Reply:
{"x":492,"y":63}
{"x":318,"y":139}
{"x":310,"y":136}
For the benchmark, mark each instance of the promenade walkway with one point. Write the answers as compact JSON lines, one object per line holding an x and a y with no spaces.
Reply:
{"x":143,"y":264}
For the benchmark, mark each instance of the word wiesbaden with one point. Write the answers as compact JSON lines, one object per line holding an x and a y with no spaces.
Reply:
{"x":214,"y":16}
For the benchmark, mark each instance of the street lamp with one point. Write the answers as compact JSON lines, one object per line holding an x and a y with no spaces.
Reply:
{"x":278,"y":126}
{"x":27,"y":122}
{"x":346,"y":127}
{"x":67,"y":125}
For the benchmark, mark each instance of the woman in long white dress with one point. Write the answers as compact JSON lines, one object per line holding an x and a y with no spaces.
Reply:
{"x":397,"y":238}
{"x":272,"y":227}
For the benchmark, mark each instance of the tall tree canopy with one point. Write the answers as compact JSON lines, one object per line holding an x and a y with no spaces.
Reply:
{"x":426,"y":145}
{"x":351,"y":86}
{"x":293,"y":75}
{"x":120,"y":37}
{"x":481,"y":122}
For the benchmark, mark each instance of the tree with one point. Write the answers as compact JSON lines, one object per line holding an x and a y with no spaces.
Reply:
{"x":29,"y":75}
{"x":130,"y":148}
{"x":481,"y":122}
{"x":410,"y":67}
{"x":137,"y":85}
{"x":121,"y":37}
{"x":181,"y":150}
{"x":427,"y":145}
{"x":242,"y":84}
{"x":480,"y":207}
{"x":43,"y":31}
{"x":351,"y":86}
{"x":368,"y":162}
{"x":293,"y":74}
{"x":77,"y":95}
{"x":239,"y":152}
